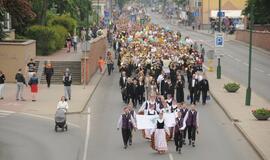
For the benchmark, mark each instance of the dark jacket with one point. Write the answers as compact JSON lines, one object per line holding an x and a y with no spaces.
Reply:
{"x":20,"y":78}
{"x":67,"y":80}
{"x":48,"y":71}
{"x":2,"y":79}
{"x":204,"y":85}
{"x":122,"y":84}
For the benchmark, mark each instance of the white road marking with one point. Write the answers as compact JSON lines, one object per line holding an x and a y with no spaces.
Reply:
{"x":238,"y":60}
{"x":259,"y":70}
{"x":268,"y":74}
{"x":245,"y":63}
{"x":170,"y":156}
{"x":230,"y":56}
{"x":87,"y":135}
{"x":48,"y":118}
{"x":4,"y":113}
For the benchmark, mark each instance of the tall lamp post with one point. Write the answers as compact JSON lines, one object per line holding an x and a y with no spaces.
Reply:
{"x":251,"y":21}
{"x":219,"y":20}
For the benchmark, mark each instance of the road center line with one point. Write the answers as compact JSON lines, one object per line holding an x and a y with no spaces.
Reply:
{"x":170,"y":156}
{"x":87,"y":135}
{"x":259,"y":70}
{"x":238,"y":60}
{"x":230,"y":56}
{"x":47,"y":118}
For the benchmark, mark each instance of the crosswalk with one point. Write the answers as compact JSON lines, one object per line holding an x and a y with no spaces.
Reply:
{"x":4,"y":113}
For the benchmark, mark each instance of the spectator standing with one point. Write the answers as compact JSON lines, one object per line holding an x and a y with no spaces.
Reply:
{"x":33,"y":83}
{"x":109,"y":62}
{"x":68,"y":42}
{"x":75,"y":42}
{"x":67,"y":80}
{"x":48,"y":72}
{"x":20,"y":84}
{"x":31,"y":68}
{"x":2,"y":85}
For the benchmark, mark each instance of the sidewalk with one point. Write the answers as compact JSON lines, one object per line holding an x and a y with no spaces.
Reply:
{"x":256,"y":132}
{"x":48,"y":98}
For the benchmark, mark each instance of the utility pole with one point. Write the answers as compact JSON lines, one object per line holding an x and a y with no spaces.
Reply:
{"x":219,"y":20}
{"x":251,"y":21}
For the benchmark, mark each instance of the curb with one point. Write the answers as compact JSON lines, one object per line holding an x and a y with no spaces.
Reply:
{"x":240,"y":129}
{"x":89,"y":98}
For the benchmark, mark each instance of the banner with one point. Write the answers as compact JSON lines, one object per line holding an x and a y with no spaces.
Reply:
{"x":149,"y":121}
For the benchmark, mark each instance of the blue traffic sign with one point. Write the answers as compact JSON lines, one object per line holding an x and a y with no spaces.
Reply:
{"x":220,"y":14}
{"x":219,"y":40}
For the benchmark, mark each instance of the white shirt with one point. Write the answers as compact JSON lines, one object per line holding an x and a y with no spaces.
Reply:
{"x":160,"y":78}
{"x":62,"y":105}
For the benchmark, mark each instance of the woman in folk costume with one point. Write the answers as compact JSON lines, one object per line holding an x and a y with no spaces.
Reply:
{"x":150,"y":111}
{"x":158,"y":139}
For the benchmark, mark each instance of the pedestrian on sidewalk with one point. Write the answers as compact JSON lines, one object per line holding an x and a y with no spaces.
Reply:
{"x":2,"y":85}
{"x":204,"y":87}
{"x":62,"y":104}
{"x":75,"y":41}
{"x":20,"y":84}
{"x":33,"y":83}
{"x":126,"y":122}
{"x":48,"y":72}
{"x":67,"y":80}
{"x":31,"y":68}
{"x":179,"y":128}
{"x":192,"y":122}
{"x":101,"y":63}
{"x":68,"y":42}
{"x":109,"y":62}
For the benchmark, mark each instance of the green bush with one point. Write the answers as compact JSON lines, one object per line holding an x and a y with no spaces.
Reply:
{"x":65,"y":21}
{"x":45,"y":38}
{"x":61,"y":34}
{"x":261,"y":112}
{"x":232,"y":87}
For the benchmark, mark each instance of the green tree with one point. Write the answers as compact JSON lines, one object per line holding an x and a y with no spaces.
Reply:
{"x":261,"y":11}
{"x":20,"y":11}
{"x":2,"y":18}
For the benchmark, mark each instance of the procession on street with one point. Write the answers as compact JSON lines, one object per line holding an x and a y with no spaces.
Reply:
{"x":156,"y":66}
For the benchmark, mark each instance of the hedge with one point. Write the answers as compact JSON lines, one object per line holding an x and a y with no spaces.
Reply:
{"x":61,"y":34}
{"x":48,"y":38}
{"x":65,"y":21}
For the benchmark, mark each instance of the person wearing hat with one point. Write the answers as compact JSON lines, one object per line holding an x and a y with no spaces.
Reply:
{"x":126,"y":122}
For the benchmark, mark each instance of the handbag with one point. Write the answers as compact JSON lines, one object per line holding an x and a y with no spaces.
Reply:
{"x":208,"y":98}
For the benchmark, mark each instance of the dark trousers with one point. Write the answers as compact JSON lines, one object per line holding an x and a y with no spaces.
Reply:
{"x":140,"y":98}
{"x":110,"y":68}
{"x":126,"y":134}
{"x":192,"y":96}
{"x":184,"y":134}
{"x":198,"y":95}
{"x":48,"y":80}
{"x":191,"y":133}
{"x":204,"y":96}
{"x":135,"y":100}
{"x":178,"y":139}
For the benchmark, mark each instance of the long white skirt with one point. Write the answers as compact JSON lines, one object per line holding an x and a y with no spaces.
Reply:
{"x":148,"y":133}
{"x":160,"y":140}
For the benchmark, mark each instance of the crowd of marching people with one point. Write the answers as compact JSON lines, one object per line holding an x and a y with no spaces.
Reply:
{"x":156,"y":65}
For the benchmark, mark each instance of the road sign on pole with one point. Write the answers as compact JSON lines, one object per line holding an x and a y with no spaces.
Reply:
{"x":219,"y":40}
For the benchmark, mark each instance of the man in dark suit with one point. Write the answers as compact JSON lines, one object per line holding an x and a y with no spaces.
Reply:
{"x":123,"y":84}
{"x":204,"y":86}
{"x":193,"y":87}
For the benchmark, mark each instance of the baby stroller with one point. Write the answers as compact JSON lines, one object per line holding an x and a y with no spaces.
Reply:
{"x":60,"y":120}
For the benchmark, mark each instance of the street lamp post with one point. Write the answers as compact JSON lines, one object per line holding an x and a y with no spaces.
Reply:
{"x":248,"y":92}
{"x":219,"y":20}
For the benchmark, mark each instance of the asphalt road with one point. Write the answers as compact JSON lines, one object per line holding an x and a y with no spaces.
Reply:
{"x":23,"y":137}
{"x":218,"y":138}
{"x":235,"y":60}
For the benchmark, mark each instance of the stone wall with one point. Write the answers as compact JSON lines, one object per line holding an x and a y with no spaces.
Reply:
{"x":15,"y":55}
{"x":260,"y":39}
{"x":98,"y":47}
